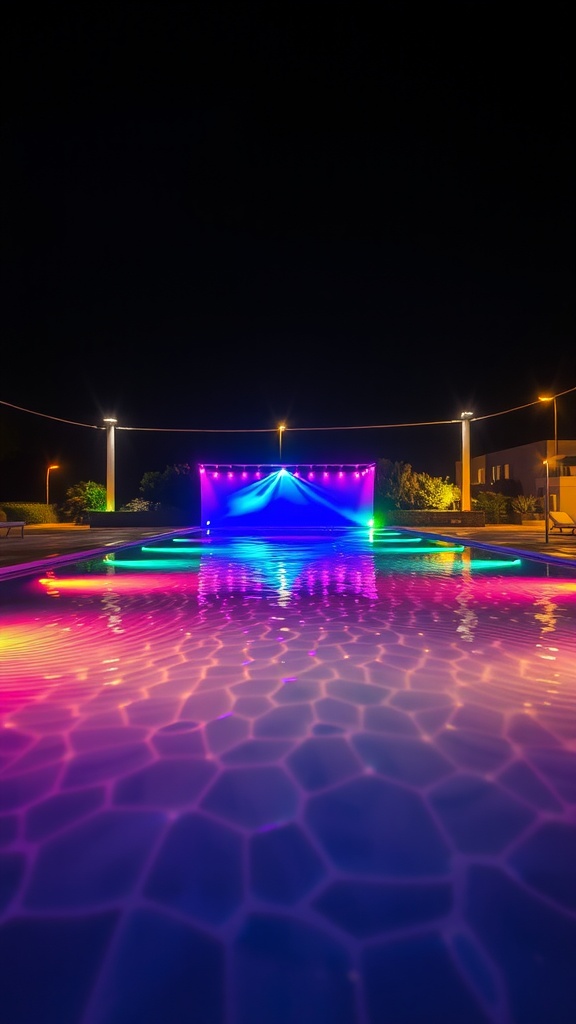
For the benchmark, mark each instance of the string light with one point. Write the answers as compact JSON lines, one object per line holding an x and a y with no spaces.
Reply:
{"x":274,"y":430}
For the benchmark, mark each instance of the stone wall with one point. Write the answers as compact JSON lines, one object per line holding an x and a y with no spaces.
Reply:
{"x":177,"y":520}
{"x":142,"y":520}
{"x":425,"y":517}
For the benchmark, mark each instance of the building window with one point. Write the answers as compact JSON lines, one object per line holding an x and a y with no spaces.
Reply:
{"x":481,"y":476}
{"x":506,"y":471}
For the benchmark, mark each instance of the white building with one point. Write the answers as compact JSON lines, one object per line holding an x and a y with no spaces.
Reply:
{"x":523,"y":470}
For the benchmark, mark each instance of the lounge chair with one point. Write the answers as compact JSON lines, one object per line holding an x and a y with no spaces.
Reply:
{"x":562,"y":521}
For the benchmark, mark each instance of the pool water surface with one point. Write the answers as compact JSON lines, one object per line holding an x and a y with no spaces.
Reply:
{"x":309,"y":778}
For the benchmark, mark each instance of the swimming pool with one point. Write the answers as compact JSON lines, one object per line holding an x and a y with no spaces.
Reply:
{"x":308,"y":778}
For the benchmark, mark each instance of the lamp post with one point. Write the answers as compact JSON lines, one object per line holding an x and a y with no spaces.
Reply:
{"x":281,"y":429}
{"x":547,"y":501}
{"x":54,"y":466}
{"x":110,"y":467}
{"x":552,"y":398}
{"x":465,"y":502}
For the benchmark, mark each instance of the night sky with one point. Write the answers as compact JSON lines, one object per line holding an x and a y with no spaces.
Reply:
{"x":223,"y":217}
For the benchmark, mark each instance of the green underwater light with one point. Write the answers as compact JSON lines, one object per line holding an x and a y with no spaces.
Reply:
{"x":491,"y":563}
{"x":169,"y":551}
{"x":398,"y":539}
{"x":149,"y":563}
{"x":449,"y":549}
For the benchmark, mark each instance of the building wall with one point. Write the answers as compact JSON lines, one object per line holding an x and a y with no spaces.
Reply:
{"x":521,"y":470}
{"x":562,"y":492}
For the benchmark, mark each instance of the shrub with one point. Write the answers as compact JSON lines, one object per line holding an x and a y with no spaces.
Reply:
{"x":493,"y":504}
{"x":29,"y":512}
{"x":172,"y":489}
{"x":139,"y":505}
{"x":434,"y":492}
{"x":83,"y":498}
{"x":526,"y":504}
{"x":398,"y":486}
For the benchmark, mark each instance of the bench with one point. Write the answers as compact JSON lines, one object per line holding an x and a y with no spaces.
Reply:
{"x":12,"y":526}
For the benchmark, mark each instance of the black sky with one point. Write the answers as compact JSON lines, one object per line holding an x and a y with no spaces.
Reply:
{"x":227,"y":216}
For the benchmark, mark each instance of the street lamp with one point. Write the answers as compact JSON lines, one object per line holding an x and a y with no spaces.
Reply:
{"x":552,"y":398}
{"x":547,"y":500}
{"x":465,"y":501}
{"x":281,"y":429}
{"x":54,"y":466}
{"x":110,"y":463}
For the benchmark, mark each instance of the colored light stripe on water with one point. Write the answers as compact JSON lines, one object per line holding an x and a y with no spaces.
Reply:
{"x":99,"y":584}
{"x":437,"y":550}
{"x":397,"y":539}
{"x":167,"y":551}
{"x":487,"y":563}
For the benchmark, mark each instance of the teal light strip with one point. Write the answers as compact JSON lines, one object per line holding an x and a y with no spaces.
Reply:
{"x":398,"y":540}
{"x":168,"y":551}
{"x":486,"y":563}
{"x":421,"y":551}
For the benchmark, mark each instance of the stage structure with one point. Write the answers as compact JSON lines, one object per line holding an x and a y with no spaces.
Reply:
{"x":240,"y":497}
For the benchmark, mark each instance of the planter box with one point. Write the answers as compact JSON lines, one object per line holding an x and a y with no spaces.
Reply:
{"x":165,"y":520}
{"x":424,"y":517}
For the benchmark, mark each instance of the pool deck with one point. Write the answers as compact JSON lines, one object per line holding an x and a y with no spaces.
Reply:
{"x":64,"y":542}
{"x":528,"y":539}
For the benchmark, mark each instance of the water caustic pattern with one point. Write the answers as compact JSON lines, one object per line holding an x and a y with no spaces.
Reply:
{"x":324,"y":779}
